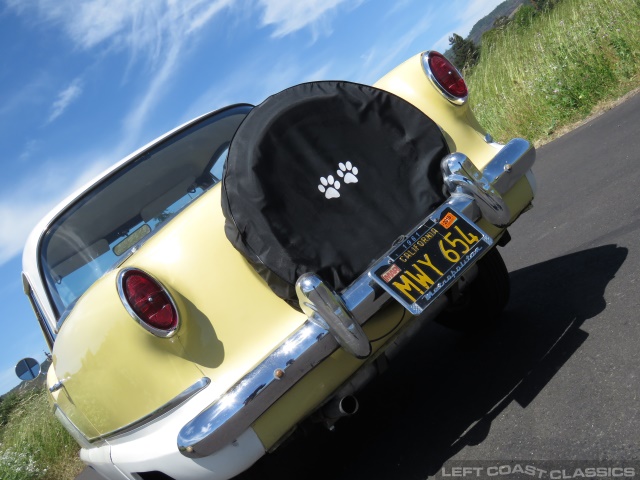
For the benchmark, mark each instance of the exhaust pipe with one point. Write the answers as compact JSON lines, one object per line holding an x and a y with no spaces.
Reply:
{"x":340,"y":407}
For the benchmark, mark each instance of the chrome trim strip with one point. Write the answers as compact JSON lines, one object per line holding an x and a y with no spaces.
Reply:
{"x":47,"y":331}
{"x":175,"y":402}
{"x":156,"y":331}
{"x":424,"y":58}
{"x":232,"y":413}
{"x":70,"y":427}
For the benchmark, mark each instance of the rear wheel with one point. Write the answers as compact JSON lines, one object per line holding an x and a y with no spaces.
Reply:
{"x":479,"y":305}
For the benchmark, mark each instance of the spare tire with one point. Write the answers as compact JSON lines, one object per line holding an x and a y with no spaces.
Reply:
{"x":323,"y":177}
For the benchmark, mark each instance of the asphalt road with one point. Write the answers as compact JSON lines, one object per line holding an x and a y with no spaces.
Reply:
{"x":558,"y":380}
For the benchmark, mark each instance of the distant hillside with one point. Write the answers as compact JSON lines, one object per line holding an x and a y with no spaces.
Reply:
{"x":505,"y":9}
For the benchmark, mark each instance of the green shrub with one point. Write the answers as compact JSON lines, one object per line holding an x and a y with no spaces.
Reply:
{"x":524,"y":16}
{"x":8,"y":404}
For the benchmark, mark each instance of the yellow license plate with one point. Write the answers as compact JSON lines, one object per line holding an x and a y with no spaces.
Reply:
{"x":430,"y":259}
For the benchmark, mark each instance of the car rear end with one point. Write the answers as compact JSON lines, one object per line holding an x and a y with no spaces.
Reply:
{"x":173,"y":358}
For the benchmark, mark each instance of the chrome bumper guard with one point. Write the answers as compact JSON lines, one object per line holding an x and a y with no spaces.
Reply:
{"x":335,"y":319}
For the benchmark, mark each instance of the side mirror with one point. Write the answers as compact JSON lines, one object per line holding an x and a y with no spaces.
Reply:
{"x":27,"y":369}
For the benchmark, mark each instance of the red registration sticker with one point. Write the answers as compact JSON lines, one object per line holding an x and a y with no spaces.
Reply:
{"x":391,"y":273}
{"x":448,"y":220}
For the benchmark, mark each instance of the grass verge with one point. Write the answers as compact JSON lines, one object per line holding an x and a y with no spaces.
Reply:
{"x":33,"y":444}
{"x":534,"y":79}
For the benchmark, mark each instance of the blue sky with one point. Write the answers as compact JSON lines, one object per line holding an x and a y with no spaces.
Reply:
{"x":84,"y":83}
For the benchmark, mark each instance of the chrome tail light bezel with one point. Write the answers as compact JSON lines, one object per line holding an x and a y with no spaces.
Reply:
{"x":123,"y":298}
{"x":424,"y":59}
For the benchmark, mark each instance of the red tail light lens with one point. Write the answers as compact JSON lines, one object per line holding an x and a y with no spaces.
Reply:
{"x":446,"y":77}
{"x":148,"y":302}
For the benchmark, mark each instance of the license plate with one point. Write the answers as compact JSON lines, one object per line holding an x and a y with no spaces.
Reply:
{"x":430,"y":259}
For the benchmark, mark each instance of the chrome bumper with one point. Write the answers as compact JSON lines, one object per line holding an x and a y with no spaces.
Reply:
{"x":335,"y":319}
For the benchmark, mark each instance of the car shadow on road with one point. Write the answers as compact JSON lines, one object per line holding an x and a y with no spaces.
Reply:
{"x":444,"y":391}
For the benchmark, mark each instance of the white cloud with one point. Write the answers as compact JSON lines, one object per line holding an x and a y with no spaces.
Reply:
{"x":65,"y":98}
{"x":368,"y":57}
{"x":475,"y":10}
{"x":140,"y":26}
{"x":381,"y":58}
{"x":148,"y":27}
{"x":156,"y":31}
{"x":159,"y":31}
{"x":87,"y":23}
{"x":322,"y":72}
{"x":239,"y":86}
{"x":136,"y":118}
{"x":30,"y":148}
{"x":93,"y":22}
{"x":443,"y":43}
{"x":26,"y":96}
{"x":289,"y":16}
{"x":23,"y":205}
{"x":8,"y":380}
{"x":203,"y":16}
{"x":398,"y":6}
{"x":16,"y":221}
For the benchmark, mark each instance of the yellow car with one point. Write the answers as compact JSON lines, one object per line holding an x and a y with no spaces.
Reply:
{"x":253,"y":268}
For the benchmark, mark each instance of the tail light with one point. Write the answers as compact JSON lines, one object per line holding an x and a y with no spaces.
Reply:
{"x":445,"y":77}
{"x":148,"y":302}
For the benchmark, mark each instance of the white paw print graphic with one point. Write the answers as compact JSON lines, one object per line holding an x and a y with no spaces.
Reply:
{"x":348,"y":172}
{"x":329,"y":186}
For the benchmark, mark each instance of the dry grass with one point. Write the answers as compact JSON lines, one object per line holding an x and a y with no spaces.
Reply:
{"x":33,"y":445}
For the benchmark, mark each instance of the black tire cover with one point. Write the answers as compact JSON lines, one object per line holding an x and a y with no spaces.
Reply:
{"x":324,"y":176}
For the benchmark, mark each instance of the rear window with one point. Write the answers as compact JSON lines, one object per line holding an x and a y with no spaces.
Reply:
{"x":124,"y":209}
